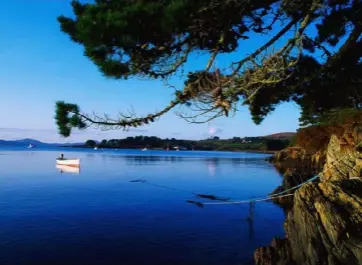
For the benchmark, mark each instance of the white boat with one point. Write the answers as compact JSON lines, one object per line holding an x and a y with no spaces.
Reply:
{"x":68,"y":162}
{"x":68,"y":169}
{"x":31,"y":146}
{"x":144,"y":149}
{"x":95,"y":148}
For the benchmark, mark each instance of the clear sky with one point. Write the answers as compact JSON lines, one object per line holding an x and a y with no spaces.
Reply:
{"x":39,"y":65}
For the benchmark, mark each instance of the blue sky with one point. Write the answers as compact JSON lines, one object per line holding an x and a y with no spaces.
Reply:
{"x":39,"y":65}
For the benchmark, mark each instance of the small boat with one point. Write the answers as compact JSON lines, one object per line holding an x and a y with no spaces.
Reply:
{"x":95,"y":148}
{"x":68,"y":169}
{"x":31,"y":146}
{"x":144,"y":149}
{"x":68,"y":162}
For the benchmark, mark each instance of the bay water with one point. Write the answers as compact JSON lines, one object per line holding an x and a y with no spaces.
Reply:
{"x":132,"y":207}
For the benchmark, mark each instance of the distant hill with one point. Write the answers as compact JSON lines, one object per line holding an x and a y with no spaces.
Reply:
{"x":282,"y":135}
{"x":21,"y":142}
{"x":27,"y":141}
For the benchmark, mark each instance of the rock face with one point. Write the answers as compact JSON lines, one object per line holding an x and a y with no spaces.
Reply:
{"x":297,"y":165}
{"x":277,"y":253}
{"x":324,"y":226}
{"x":344,"y":161}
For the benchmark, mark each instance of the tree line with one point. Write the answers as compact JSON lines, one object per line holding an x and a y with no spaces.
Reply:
{"x":212,"y":144}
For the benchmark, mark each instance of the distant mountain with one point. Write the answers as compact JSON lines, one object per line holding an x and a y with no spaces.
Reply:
{"x":27,"y":141}
{"x":20,"y":142}
{"x":282,"y":135}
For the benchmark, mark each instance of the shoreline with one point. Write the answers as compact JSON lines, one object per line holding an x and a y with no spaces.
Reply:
{"x":160,"y":149}
{"x":259,"y":152}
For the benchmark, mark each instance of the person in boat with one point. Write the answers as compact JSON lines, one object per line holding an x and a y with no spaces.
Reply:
{"x":61,"y":157}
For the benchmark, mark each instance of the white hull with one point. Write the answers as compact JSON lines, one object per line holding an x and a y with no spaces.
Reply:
{"x":68,"y":169}
{"x":69,"y":162}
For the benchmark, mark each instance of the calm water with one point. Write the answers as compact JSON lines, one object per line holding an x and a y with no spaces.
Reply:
{"x":100,"y":217}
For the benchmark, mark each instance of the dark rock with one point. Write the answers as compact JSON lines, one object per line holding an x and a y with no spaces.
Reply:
{"x":278,"y":252}
{"x":324,"y":226}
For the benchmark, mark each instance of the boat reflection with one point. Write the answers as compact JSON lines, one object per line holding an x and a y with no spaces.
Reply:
{"x":211,"y":165}
{"x":68,"y":169}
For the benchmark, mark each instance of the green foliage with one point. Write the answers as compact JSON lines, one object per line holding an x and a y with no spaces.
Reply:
{"x":217,"y":144}
{"x":340,"y":116}
{"x":90,"y":143}
{"x":336,"y":89}
{"x":66,"y":118}
{"x":333,"y":26}
{"x":276,"y":144}
{"x":130,"y":37}
{"x":320,"y":70}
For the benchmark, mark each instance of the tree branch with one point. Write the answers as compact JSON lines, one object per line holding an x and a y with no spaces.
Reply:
{"x":124,"y":123}
{"x":265,"y":46}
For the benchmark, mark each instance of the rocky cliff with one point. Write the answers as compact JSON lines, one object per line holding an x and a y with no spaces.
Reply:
{"x":324,"y":224}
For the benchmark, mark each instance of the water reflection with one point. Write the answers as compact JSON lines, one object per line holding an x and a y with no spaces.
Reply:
{"x":67,"y":169}
{"x":140,"y":159}
{"x":211,"y":165}
{"x":250,"y":220}
{"x":146,"y":160}
{"x":251,"y":230}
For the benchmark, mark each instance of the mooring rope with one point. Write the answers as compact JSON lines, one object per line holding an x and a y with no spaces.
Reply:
{"x":281,"y":194}
{"x":246,"y":201}
{"x":224,"y":201}
{"x":199,"y":195}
